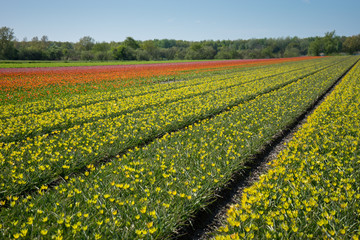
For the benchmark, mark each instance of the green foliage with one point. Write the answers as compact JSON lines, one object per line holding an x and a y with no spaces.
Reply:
{"x":7,"y":50}
{"x":227,"y":53}
{"x":85,"y":43}
{"x":124,"y":52}
{"x":316,"y":47}
{"x":87,"y":55}
{"x":169,"y":49}
{"x":352,"y":44}
{"x":329,"y":44}
{"x":131,"y":43}
{"x":291,"y":52}
{"x":198,"y":51}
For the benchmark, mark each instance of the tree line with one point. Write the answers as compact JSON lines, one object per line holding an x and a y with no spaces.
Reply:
{"x":169,"y":49}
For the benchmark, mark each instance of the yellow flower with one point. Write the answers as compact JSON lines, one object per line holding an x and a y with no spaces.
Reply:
{"x":224,"y":228}
{"x":322,"y":222}
{"x":30,"y":220}
{"x":243,"y":217}
{"x":234,"y":236}
{"x":152,"y":230}
{"x":143,"y":209}
{"x":285,"y":226}
{"x":23,"y":232}
{"x":149,"y":224}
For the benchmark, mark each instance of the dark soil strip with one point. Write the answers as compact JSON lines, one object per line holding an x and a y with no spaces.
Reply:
{"x":207,"y":219}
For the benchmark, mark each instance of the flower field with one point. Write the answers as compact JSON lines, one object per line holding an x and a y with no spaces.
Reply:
{"x":133,"y":157}
{"x":24,"y":84}
{"x":312,"y":189}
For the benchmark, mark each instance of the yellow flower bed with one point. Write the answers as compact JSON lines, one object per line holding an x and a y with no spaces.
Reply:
{"x":21,"y":121}
{"x":33,"y":161}
{"x":312,"y":190}
{"x":150,"y":191}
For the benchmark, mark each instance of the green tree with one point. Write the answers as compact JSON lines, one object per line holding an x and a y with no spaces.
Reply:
{"x":131,"y":43}
{"x":151,"y":49}
{"x":7,"y":49}
{"x":87,"y":55}
{"x":85,"y":43}
{"x":142,"y":55}
{"x":101,"y":47}
{"x":168,"y":53}
{"x":267,"y":52}
{"x":315,"y":47}
{"x":197,"y":51}
{"x":45,"y":43}
{"x":54,"y":52}
{"x":123,"y":52}
{"x":227,"y":53}
{"x":304,"y":46}
{"x":331,"y":43}
{"x":352,"y":44}
{"x":68,"y":51}
{"x":291,"y":52}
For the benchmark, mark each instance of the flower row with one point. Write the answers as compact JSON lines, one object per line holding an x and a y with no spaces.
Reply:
{"x":312,"y":188}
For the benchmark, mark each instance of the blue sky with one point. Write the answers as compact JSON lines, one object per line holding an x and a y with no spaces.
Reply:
{"x":194,"y":20}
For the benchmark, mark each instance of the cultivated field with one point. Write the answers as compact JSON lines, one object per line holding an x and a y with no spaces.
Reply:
{"x":312,"y":189}
{"x":132,"y":152}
